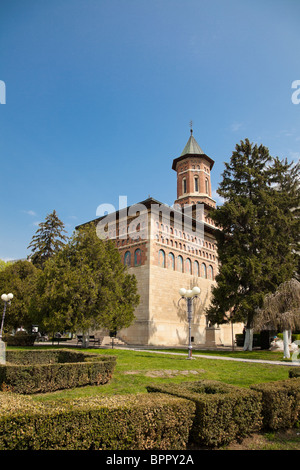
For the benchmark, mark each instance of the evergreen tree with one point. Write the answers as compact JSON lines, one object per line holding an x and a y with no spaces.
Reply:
{"x":48,"y":240}
{"x":258,"y":233}
{"x":85,"y":286}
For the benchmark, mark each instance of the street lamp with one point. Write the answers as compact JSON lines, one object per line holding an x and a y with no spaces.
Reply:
{"x":189,"y":296}
{"x":6,"y":299}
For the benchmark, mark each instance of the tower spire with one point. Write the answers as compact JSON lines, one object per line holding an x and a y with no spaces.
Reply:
{"x":193,"y":169}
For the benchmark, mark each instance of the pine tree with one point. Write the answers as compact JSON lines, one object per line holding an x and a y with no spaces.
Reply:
{"x":48,"y":240}
{"x":258,"y":232}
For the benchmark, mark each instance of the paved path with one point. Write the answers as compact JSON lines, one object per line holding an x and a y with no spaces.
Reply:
{"x":223,"y":358}
{"x":294,"y":363}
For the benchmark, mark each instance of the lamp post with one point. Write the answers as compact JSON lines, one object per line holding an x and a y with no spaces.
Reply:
{"x":6,"y":299}
{"x":189,"y":296}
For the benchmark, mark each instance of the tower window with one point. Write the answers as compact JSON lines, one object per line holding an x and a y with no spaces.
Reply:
{"x":196,"y":184}
{"x":184,"y":185}
{"x":206,"y":185}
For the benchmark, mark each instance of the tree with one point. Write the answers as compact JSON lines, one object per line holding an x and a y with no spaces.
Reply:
{"x":48,"y":240}
{"x":20,"y":279}
{"x":281,"y":311}
{"x":85,"y":286}
{"x":257,"y":236}
{"x":3,"y":264}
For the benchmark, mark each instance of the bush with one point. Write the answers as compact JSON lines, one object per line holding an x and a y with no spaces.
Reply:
{"x":20,"y":338}
{"x":223,"y":412}
{"x":240,"y":338}
{"x":280,"y":403}
{"x":49,"y":370}
{"x":295,"y":336}
{"x":294,"y":372}
{"x":130,"y":422}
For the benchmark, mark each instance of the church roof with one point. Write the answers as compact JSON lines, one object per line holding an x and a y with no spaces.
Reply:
{"x":192,"y":148}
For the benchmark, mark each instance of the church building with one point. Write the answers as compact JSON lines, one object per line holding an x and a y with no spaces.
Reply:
{"x":168,"y":248}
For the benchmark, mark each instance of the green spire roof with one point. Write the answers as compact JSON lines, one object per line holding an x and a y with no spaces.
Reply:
{"x":192,"y":147}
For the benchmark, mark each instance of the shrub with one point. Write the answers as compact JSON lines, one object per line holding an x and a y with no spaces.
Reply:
{"x":20,"y":338}
{"x":128,"y":422}
{"x":223,"y":412}
{"x":280,"y":403}
{"x":295,"y":336}
{"x":49,"y":370}
{"x":294,"y":372}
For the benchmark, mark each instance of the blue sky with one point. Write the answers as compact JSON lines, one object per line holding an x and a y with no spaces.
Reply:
{"x":100,"y":93}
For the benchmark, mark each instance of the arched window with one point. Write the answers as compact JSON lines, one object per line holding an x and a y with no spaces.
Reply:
{"x":180,"y":264}
{"x":161,"y":259}
{"x":127,"y":259}
{"x":196,"y":181}
{"x":203,"y":270}
{"x":206,"y":185}
{"x":137,"y":257}
{"x":184,"y":185}
{"x":171,"y":261}
{"x":188,"y":266}
{"x":210,"y":272}
{"x":196,"y":268}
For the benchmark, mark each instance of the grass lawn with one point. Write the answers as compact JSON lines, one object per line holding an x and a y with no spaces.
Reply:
{"x":137,"y":369}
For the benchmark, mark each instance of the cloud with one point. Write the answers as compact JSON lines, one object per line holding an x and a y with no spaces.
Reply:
{"x":30,"y":213}
{"x":219,"y":200}
{"x":295,"y":155}
{"x":236,"y":126}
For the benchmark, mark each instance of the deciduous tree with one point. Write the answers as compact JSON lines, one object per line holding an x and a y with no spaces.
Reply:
{"x":85,"y":286}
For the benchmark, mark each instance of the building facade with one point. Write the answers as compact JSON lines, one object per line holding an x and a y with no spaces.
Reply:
{"x":168,"y":248}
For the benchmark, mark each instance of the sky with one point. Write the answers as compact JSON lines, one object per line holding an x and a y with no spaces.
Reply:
{"x":99,"y":95}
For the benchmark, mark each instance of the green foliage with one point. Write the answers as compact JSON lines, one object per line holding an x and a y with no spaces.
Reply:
{"x":20,"y":338}
{"x":3,"y":264}
{"x":259,"y":234}
{"x":20,"y":279}
{"x":223,"y":412}
{"x":29,"y":372}
{"x":294,"y":372}
{"x":48,"y":240}
{"x":149,"y":421}
{"x":86,"y":286}
{"x":281,"y":403}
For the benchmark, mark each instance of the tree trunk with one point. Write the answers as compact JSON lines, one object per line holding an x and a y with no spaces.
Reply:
{"x":248,"y":343}
{"x":286,"y":349}
{"x":85,"y":340}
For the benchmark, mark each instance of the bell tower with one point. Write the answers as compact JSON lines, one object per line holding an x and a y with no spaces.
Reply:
{"x":193,"y":169}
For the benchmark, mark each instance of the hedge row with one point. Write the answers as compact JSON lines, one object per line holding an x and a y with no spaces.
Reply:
{"x":223,"y":412}
{"x":146,"y":421}
{"x":294,"y":372}
{"x":42,"y":371}
{"x":20,"y":338}
{"x":280,"y":403}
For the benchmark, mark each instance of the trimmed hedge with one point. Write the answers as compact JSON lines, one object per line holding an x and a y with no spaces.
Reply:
{"x":139,"y":422}
{"x":43,"y":371}
{"x":20,"y":338}
{"x":223,"y":412}
{"x":281,"y":403}
{"x":294,"y":372}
